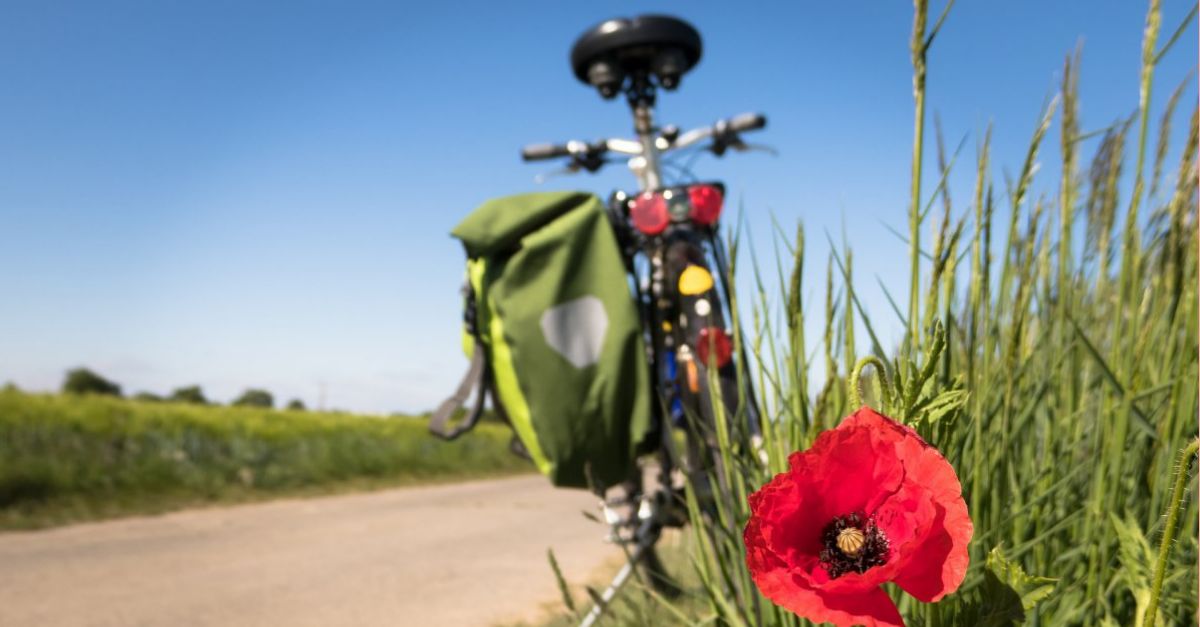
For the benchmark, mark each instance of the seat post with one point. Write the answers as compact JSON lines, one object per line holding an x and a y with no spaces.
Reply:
{"x":641,"y":100}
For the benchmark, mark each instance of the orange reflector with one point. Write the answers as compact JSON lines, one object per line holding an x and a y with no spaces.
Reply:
{"x":695,"y":280}
{"x":693,"y":376}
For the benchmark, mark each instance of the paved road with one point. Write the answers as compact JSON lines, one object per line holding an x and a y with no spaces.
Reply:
{"x":465,"y":554}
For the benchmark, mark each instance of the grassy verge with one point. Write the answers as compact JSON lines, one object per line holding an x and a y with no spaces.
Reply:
{"x":636,"y":604}
{"x":65,"y":459}
{"x":1051,"y":355}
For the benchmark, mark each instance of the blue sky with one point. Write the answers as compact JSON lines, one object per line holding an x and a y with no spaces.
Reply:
{"x":238,"y":194}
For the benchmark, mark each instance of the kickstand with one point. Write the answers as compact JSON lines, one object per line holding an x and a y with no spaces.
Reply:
{"x":610,"y":592}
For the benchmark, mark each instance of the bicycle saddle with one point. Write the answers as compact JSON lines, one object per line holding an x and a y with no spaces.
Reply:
{"x":649,"y":45}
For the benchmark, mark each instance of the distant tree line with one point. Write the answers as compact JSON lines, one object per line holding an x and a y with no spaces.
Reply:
{"x":85,"y":381}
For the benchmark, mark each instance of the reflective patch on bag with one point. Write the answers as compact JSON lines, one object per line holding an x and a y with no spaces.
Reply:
{"x":575,"y":329}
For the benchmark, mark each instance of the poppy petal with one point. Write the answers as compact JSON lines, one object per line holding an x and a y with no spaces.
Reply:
{"x":787,"y":529}
{"x":870,"y":608}
{"x":858,"y":461}
{"x":940,"y":563}
{"x":906,"y":518}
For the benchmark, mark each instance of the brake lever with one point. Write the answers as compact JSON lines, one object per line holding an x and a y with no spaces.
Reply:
{"x":571,"y":168}
{"x":744,"y":147}
{"x":591,"y":164}
{"x":735,"y":142}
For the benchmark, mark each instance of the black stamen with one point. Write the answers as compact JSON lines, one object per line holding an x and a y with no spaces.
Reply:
{"x":873,"y":552}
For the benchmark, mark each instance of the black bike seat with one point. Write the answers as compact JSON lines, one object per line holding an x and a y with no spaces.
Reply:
{"x":634,"y":44}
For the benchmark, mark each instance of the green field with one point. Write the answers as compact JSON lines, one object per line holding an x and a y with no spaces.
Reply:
{"x":69,"y":458}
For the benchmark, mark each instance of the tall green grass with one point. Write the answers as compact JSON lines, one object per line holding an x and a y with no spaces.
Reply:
{"x":1050,"y":354}
{"x":66,"y":458}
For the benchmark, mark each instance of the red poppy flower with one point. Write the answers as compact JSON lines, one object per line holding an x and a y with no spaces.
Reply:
{"x":869,"y":502}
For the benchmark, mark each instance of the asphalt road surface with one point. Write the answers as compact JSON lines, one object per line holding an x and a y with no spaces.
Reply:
{"x":463,"y":554}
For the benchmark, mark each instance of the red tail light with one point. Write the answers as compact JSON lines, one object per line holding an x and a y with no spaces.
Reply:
{"x":649,"y":213}
{"x":714,"y":344}
{"x":706,"y":203}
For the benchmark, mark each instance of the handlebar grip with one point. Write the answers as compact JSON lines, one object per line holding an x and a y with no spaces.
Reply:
{"x":537,"y":152}
{"x":747,"y":122}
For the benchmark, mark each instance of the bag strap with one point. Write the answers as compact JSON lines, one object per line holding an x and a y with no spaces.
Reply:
{"x":477,"y":379}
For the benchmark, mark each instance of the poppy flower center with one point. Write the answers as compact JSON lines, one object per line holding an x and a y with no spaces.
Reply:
{"x":850,"y":540}
{"x":852,"y":543}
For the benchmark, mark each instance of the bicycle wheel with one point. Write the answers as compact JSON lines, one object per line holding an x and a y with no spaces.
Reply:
{"x":703,"y":356}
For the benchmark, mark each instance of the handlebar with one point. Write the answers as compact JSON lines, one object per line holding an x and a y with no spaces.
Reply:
{"x":723,"y":133}
{"x":746,"y":122}
{"x":538,"y":152}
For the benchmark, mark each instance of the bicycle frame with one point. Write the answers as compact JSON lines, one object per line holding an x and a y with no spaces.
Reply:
{"x":645,"y":152}
{"x":666,"y":314}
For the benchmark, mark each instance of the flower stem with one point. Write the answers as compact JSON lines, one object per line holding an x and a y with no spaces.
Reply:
{"x":1164,"y":548}
{"x":919,"y":48}
{"x":855,"y":380}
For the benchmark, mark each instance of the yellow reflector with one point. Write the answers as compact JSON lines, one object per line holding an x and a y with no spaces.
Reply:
{"x":695,"y":280}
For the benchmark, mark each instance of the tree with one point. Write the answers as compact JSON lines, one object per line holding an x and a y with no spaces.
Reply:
{"x":148,"y":397}
{"x":84,"y":381}
{"x":296,"y":405}
{"x":189,"y":394}
{"x":255,"y":397}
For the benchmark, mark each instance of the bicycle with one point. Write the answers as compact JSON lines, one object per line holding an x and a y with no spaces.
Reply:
{"x":668,"y":234}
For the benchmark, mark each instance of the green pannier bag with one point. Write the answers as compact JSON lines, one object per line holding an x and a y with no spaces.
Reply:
{"x":554,"y":337}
